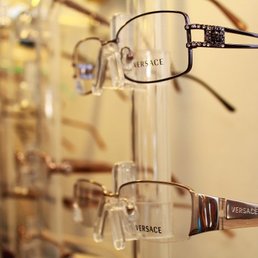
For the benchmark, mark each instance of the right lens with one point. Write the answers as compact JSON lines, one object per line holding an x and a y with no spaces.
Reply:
{"x":90,"y":199}
{"x":87,"y":64}
{"x":162,"y":211}
{"x":153,"y":46}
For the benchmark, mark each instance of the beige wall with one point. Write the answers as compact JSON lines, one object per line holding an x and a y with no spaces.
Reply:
{"x":214,"y":151}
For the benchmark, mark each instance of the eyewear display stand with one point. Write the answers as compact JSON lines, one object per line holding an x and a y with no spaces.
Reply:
{"x":151,"y":123}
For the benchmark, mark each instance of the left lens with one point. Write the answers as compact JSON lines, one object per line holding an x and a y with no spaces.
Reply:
{"x":153,"y":46}
{"x":162,"y":211}
{"x":87,"y":64}
{"x":90,"y":198}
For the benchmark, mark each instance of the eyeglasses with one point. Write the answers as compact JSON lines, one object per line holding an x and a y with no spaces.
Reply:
{"x":240,"y":24}
{"x":136,"y":56}
{"x":84,"y":85}
{"x":156,"y":210}
{"x":26,"y":160}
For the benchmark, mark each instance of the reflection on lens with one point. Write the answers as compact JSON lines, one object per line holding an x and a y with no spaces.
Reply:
{"x":86,"y":71}
{"x":153,"y":59}
{"x":162,"y":212}
{"x":90,"y":198}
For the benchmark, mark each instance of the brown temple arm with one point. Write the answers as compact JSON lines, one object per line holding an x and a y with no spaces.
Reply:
{"x":83,"y":166}
{"x":231,"y":16}
{"x":73,"y":5}
{"x":88,"y":127}
{"x":66,"y":166}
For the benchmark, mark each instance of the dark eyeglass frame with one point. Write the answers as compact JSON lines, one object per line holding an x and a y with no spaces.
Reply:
{"x":214,"y":37}
{"x":208,"y":42}
{"x":75,"y":62}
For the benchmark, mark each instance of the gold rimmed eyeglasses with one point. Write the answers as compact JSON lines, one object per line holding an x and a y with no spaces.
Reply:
{"x":157,"y":211}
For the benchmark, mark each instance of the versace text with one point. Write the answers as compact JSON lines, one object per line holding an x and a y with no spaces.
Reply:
{"x":148,"y":229}
{"x":147,"y":63}
{"x":245,"y":210}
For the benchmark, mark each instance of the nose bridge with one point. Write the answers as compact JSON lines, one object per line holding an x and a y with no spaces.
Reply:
{"x":110,"y":198}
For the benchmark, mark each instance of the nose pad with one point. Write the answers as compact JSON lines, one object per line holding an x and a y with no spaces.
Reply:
{"x":127,"y":57}
{"x":131,"y":211}
{"x":129,"y":217}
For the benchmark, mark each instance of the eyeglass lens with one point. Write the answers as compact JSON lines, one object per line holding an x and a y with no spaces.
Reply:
{"x":90,"y":199}
{"x":87,"y":62}
{"x":146,"y":59}
{"x":162,"y":211}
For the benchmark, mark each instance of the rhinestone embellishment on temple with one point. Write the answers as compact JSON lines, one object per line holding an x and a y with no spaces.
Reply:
{"x":214,"y":36}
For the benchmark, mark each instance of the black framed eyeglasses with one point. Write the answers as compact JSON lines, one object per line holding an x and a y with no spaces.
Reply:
{"x":137,"y":55}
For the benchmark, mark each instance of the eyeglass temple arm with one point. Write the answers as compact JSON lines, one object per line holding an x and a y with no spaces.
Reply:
{"x":75,"y":54}
{"x":66,"y":166}
{"x":74,"y":5}
{"x":238,"y":214}
{"x":88,"y":127}
{"x":213,"y":213}
{"x":214,"y":37}
{"x":231,"y":16}
{"x":222,"y":100}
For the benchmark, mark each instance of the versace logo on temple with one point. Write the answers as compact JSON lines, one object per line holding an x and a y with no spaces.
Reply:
{"x":244,"y":210}
{"x":240,"y":210}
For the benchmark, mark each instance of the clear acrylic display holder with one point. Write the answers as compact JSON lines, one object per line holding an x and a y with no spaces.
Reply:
{"x":151,"y":126}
